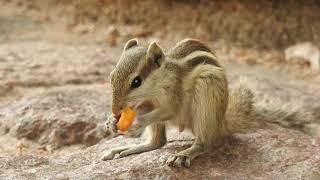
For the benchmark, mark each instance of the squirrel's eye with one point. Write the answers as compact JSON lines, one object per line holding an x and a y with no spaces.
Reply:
{"x":136,"y":82}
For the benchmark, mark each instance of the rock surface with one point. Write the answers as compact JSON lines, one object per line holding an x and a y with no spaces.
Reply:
{"x":304,"y":51}
{"x":58,"y":118}
{"x":270,"y":153}
{"x":47,"y":64}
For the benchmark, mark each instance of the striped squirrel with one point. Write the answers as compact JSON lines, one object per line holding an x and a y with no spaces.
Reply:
{"x":187,"y":88}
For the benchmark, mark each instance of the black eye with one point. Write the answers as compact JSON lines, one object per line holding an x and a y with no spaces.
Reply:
{"x":136,"y":82}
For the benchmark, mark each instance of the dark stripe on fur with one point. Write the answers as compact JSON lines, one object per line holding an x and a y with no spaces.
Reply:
{"x":202,"y":60}
{"x":186,"y":47}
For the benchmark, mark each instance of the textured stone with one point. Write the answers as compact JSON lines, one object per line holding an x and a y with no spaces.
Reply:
{"x":270,"y":153}
{"x":49,"y":64}
{"x":61,"y":117}
{"x":304,"y":51}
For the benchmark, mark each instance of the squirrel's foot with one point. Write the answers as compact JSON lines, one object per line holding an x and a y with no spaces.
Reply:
{"x":177,"y":160}
{"x":110,"y":154}
{"x":184,"y":158}
{"x":126,"y":151}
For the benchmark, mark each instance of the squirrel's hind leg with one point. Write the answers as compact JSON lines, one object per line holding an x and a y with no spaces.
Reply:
{"x":208,"y":104}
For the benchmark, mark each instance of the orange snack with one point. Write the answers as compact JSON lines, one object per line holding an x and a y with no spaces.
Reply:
{"x":126,"y":119}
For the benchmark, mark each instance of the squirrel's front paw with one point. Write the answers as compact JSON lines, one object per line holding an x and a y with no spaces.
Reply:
{"x":111,"y":124}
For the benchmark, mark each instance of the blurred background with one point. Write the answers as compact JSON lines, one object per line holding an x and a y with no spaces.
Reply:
{"x":56,"y":56}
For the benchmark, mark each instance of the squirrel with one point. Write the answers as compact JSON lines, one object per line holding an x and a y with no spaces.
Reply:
{"x":187,"y":87}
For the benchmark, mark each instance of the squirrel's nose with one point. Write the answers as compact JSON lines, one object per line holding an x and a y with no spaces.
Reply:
{"x":116,"y":110}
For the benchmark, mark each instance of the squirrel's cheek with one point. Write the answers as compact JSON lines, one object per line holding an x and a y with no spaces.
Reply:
{"x":136,"y":120}
{"x":144,"y":107}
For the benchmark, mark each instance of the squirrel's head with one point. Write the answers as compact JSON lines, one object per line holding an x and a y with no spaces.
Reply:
{"x":130,"y":75}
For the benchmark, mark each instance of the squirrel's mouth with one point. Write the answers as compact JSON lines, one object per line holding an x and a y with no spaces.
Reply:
{"x":140,"y":109}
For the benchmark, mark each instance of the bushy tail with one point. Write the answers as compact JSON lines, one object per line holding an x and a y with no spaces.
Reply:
{"x":240,"y":110}
{"x":243,"y":113}
{"x":293,"y":116}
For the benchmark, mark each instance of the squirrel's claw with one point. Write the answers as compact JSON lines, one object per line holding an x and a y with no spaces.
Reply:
{"x":179,"y":161}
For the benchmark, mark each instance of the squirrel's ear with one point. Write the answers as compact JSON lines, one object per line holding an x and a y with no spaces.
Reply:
{"x":131,"y":43}
{"x":155,"y":54}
